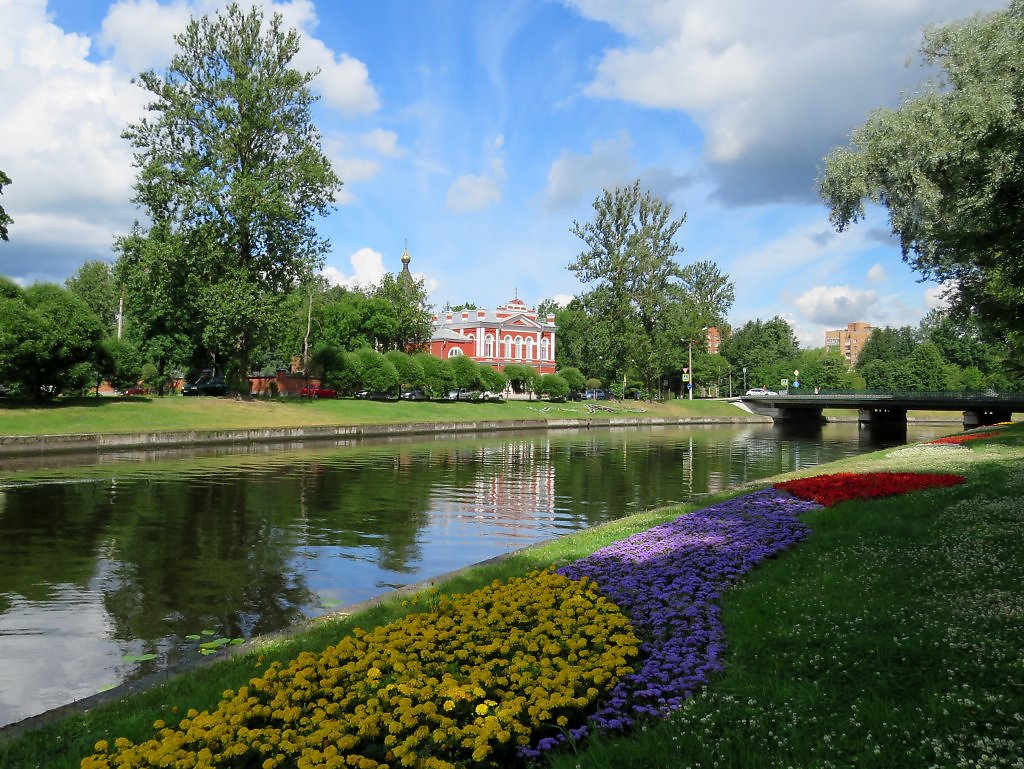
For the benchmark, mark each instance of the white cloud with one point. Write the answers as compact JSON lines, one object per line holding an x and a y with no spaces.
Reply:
{"x":836,"y":306}
{"x":935,"y":297}
{"x":367,"y":269}
{"x":575,"y":176}
{"x":877,"y":274}
{"x":472,"y":192}
{"x":140,"y":33}
{"x":772,"y":87}
{"x":383,"y":143}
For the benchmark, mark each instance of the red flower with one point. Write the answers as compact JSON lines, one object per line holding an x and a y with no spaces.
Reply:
{"x":957,"y":439}
{"x":829,"y":490}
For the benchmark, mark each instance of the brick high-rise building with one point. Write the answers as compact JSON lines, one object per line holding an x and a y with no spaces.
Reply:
{"x":849,"y":341}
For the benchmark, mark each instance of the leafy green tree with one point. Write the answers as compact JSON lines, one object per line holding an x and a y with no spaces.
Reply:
{"x":407,"y":300}
{"x":5,"y":220}
{"x":94,"y":284}
{"x":582,"y":343}
{"x":709,"y":292}
{"x":710,"y":372}
{"x":491,"y":379}
{"x":928,"y":371}
{"x":49,"y":339}
{"x":376,"y":372}
{"x":410,"y":370}
{"x":437,"y":374}
{"x":573,"y":377}
{"x":466,"y":372}
{"x":327,"y":360}
{"x":230,"y":167}
{"x":121,"y":363}
{"x":767,"y":349}
{"x":948,"y":166}
{"x":554,"y":386}
{"x":823,"y":369}
{"x":888,"y":344}
{"x":522,"y":378}
{"x":629,"y":263}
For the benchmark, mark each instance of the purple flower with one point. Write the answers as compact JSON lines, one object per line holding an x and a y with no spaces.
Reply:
{"x":668,"y":580}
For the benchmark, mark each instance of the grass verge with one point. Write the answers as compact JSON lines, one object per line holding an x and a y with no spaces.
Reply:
{"x":890,"y":638}
{"x":135,"y":414}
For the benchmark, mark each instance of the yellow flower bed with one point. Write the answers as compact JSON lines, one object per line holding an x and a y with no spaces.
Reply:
{"x":462,"y":684}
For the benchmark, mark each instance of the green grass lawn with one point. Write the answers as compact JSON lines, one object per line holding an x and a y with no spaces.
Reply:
{"x":116,"y":415}
{"x":890,"y":638}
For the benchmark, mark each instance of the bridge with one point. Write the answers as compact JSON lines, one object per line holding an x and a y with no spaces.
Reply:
{"x":887,"y":407}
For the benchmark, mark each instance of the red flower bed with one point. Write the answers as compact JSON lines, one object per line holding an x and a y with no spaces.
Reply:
{"x":829,"y":490}
{"x":956,"y":439}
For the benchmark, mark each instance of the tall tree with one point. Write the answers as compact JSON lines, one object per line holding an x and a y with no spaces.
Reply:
{"x":948,"y":164}
{"x":230,"y":163}
{"x":629,"y":262}
{"x":888,"y":345}
{"x":407,"y":298}
{"x":767,"y":349}
{"x":94,"y":284}
{"x":5,"y":220}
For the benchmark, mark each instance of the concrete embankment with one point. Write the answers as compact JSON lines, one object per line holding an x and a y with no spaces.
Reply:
{"x":36,"y":444}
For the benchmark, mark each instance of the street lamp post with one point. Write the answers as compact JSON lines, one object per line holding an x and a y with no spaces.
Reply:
{"x":689,"y":356}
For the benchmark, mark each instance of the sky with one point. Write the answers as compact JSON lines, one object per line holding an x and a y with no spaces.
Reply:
{"x":475,"y":132}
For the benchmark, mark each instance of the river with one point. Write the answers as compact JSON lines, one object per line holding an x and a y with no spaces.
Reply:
{"x":124,"y":564}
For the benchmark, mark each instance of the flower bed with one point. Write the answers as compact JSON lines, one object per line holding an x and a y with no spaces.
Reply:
{"x":668,"y":580}
{"x":958,"y":439}
{"x":832,"y":489}
{"x":462,"y":684}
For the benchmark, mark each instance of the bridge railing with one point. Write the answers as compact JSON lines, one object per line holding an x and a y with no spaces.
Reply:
{"x":936,"y":395}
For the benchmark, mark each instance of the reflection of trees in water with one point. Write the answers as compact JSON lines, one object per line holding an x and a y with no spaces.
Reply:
{"x":49,"y":536}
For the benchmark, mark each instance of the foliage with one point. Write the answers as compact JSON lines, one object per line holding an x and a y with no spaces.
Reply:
{"x":409,"y":369}
{"x":641,"y":307}
{"x":327,"y":360}
{"x":554,"y":386}
{"x":887,"y":344}
{"x":492,"y":379}
{"x":46,"y":333}
{"x":767,"y":349}
{"x":94,"y":284}
{"x":232,"y":176}
{"x":465,"y":371}
{"x":522,"y":378}
{"x":437,"y":374}
{"x":407,"y":300}
{"x":5,"y":219}
{"x":123,"y":364}
{"x":949,"y":168}
{"x":464,"y":682}
{"x":376,"y":372}
{"x":573,"y":377}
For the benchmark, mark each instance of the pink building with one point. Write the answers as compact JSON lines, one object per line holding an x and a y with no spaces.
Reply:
{"x":510,"y":334}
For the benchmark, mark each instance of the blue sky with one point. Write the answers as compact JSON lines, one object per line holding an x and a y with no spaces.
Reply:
{"x":478,"y":131}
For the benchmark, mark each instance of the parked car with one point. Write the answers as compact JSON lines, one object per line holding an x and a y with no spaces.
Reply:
{"x":492,"y":397}
{"x":316,"y":391}
{"x":135,"y":390}
{"x":464,"y":395}
{"x":374,"y":395}
{"x":760,"y":391}
{"x":207,"y":384}
{"x":4,"y":390}
{"x":595,"y":395}
{"x":414,"y":395}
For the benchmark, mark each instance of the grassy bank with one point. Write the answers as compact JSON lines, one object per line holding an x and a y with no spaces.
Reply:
{"x":891,"y":637}
{"x":119,"y":415}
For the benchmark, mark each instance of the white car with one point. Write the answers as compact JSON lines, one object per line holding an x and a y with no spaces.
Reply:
{"x":760,"y":391}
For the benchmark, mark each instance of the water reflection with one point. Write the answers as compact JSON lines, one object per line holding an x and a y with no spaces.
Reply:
{"x":108,"y":559}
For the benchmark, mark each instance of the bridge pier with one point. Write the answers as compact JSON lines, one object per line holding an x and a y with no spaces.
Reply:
{"x":882,"y":415}
{"x":982,"y":417}
{"x":804,"y":414}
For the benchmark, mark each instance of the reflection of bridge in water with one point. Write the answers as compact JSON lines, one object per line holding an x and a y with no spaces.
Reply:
{"x":881,"y":407}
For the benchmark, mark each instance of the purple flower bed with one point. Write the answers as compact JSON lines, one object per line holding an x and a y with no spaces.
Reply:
{"x":668,"y":580}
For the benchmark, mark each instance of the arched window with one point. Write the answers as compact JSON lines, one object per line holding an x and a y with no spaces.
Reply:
{"x":529,"y":349}
{"x":455,"y":352}
{"x":508,"y":348}
{"x":519,"y":348}
{"x":488,"y":346}
{"x":544,"y":348}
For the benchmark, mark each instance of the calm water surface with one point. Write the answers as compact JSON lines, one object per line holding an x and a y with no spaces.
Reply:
{"x":130,"y":555}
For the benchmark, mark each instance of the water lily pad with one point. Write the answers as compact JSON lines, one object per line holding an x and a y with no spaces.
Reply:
{"x":237,"y":641}
{"x":138,"y":657}
{"x":192,"y":637}
{"x":208,"y":632}
{"x":216,"y":643}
